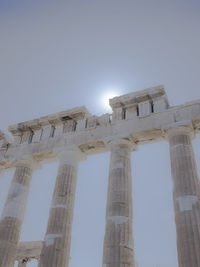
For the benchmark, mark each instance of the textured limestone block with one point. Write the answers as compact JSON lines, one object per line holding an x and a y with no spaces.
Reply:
{"x":29,"y":250}
{"x":69,"y":126}
{"x":186,"y":196}
{"x":46,"y":131}
{"x":159,"y":105}
{"x":144,"y":108}
{"x":81,"y":125}
{"x":104,"y":120}
{"x":13,"y":214}
{"x":117,"y":114}
{"x":131,"y":112}
{"x":36,"y":135}
{"x":17,"y":138}
{"x":92,"y":122}
{"x":58,"y":129}
{"x":26,"y":137}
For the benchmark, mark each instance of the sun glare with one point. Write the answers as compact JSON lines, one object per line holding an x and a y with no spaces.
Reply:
{"x":108,"y":95}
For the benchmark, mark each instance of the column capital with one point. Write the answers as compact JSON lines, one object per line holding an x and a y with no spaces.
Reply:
{"x":71,"y":156}
{"x":132,"y":145}
{"x":29,"y":163}
{"x":179,"y":129}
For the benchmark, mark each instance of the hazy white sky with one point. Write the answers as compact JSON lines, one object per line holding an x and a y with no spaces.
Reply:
{"x":55,"y":55}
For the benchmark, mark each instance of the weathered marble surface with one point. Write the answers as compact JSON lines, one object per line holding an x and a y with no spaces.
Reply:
{"x":13,"y":214}
{"x":118,"y":240}
{"x":186,"y":195}
{"x":56,"y":247}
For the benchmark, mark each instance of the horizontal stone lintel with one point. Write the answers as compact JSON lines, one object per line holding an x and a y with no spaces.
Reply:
{"x":29,"y":250}
{"x":75,"y":114}
{"x":129,"y":99}
{"x":140,"y":130}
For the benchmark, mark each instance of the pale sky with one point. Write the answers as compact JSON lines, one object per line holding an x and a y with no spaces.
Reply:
{"x":55,"y":55}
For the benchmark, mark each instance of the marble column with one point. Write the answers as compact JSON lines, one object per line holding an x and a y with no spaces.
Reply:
{"x":186,"y":196}
{"x":56,"y":247}
{"x":13,"y":214}
{"x":118,"y":241}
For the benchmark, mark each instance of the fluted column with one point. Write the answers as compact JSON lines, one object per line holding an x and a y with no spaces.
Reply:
{"x":56,"y":247}
{"x":13,"y":214}
{"x":186,"y":196}
{"x":118,"y":240}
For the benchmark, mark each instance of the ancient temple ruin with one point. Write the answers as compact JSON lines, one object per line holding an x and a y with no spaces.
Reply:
{"x":69,"y":137}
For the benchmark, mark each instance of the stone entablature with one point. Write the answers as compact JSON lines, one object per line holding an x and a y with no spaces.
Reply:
{"x":141,"y":103}
{"x":4,"y":140}
{"x":48,"y":126}
{"x":42,"y":138}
